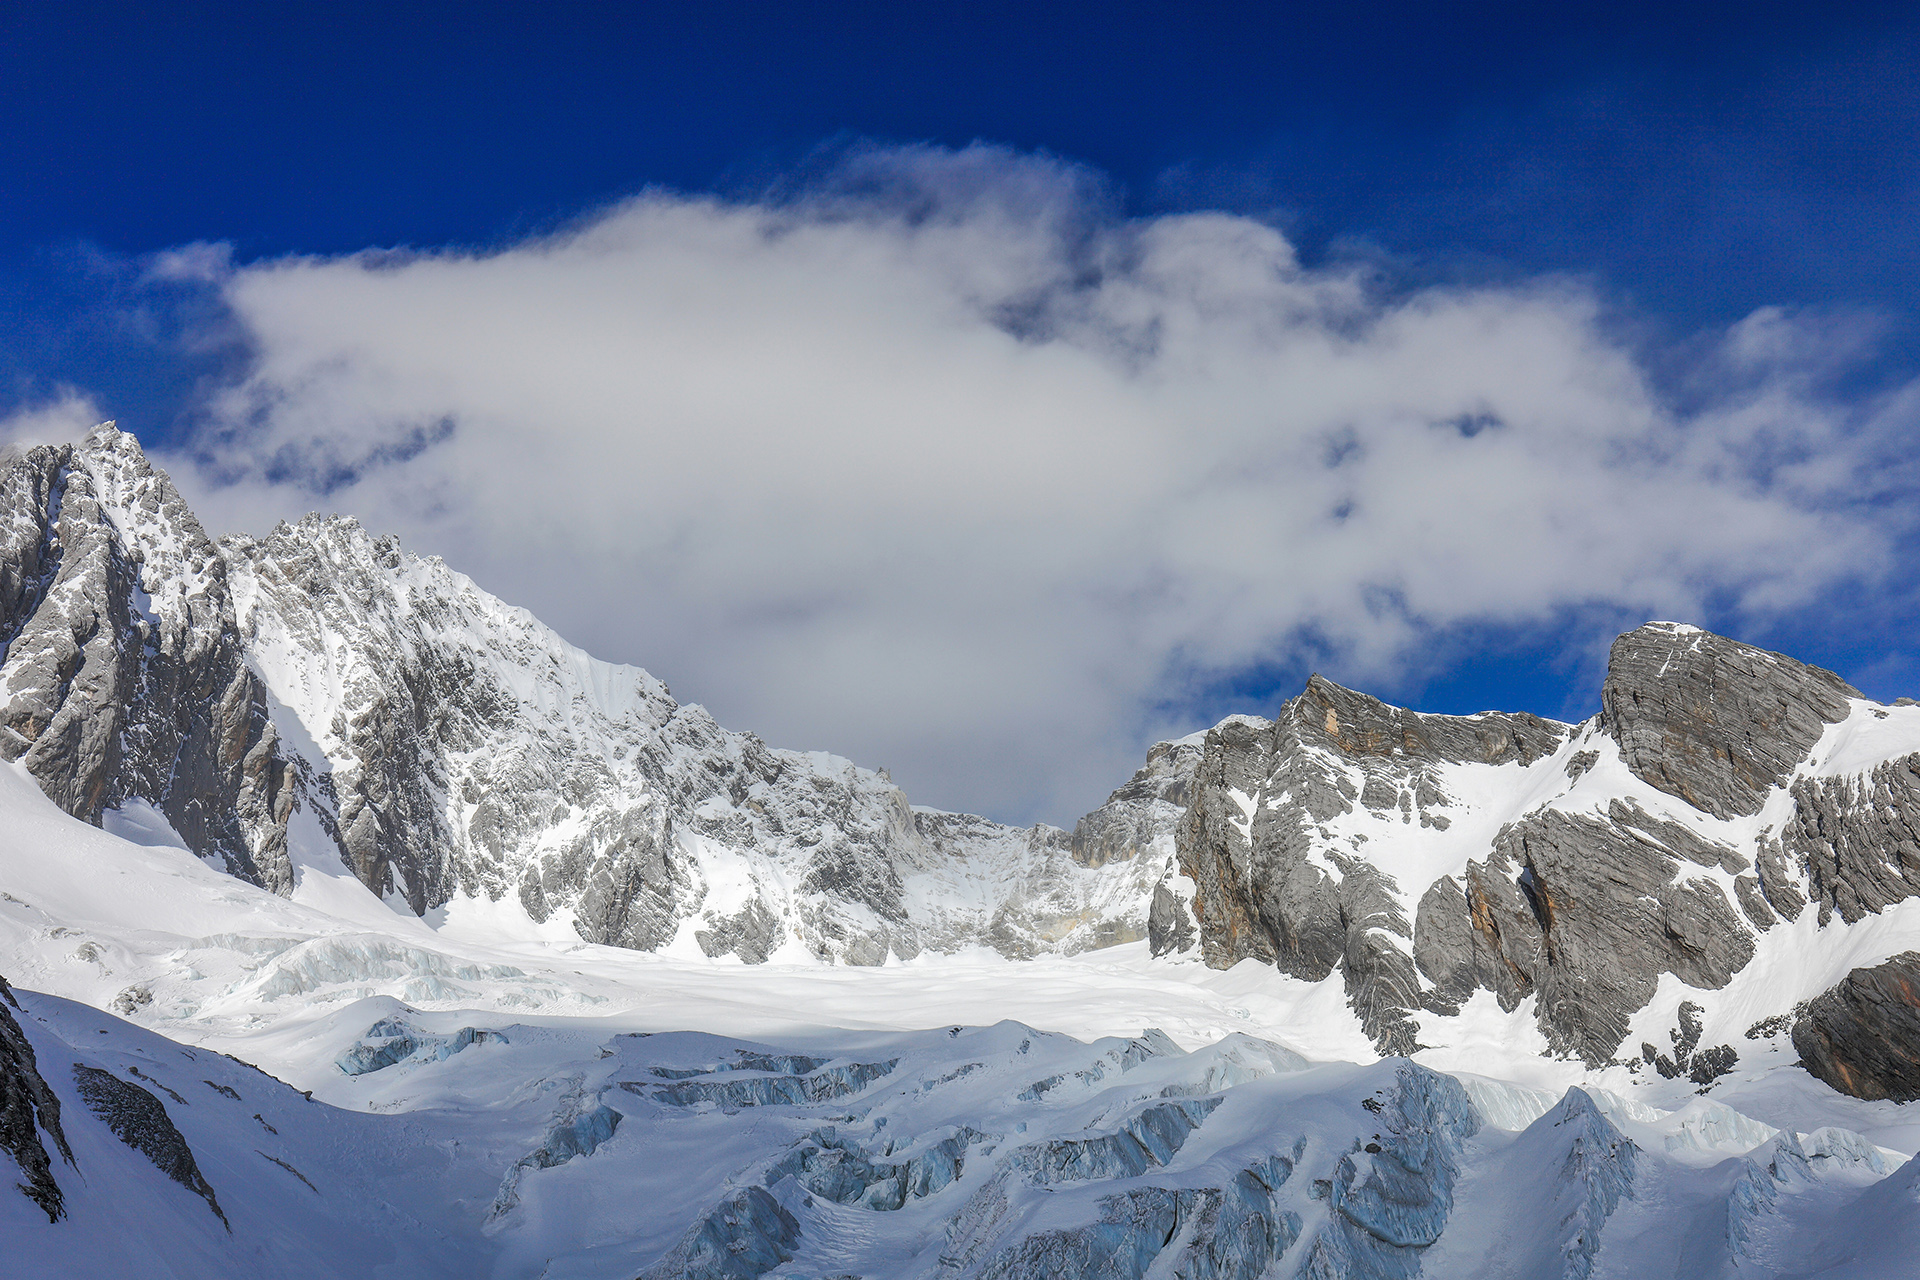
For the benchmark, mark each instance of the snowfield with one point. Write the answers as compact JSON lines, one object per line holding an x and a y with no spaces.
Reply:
{"x":483,"y":1098}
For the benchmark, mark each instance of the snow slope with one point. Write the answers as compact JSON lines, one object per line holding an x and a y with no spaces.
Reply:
{"x":534,"y":1107}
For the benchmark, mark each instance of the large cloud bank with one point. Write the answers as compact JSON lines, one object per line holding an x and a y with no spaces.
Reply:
{"x":941,"y":463}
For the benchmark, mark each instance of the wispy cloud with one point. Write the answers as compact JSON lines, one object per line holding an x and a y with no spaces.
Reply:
{"x":66,"y":416}
{"x":939,"y":461}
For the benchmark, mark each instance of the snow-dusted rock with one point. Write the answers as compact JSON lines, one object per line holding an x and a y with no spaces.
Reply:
{"x":123,"y":678}
{"x":1426,"y":858}
{"x":28,"y":1107}
{"x":1714,"y":722}
{"x":447,"y":745}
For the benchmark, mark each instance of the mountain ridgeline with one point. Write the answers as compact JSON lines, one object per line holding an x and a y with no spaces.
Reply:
{"x":319,"y":698}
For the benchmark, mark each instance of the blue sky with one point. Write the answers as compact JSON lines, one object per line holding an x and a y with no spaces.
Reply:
{"x":1664,"y":173}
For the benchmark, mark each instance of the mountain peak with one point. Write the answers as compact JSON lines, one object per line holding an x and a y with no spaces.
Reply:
{"x":1712,"y":721}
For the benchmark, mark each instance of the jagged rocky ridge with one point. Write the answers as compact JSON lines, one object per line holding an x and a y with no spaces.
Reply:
{"x":1721,"y":790}
{"x":318,"y":686}
{"x":27,"y":1109}
{"x":318,"y":695}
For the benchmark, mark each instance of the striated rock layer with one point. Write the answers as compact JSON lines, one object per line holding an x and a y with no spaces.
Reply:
{"x":1863,"y":1036}
{"x":1426,"y":858}
{"x":123,"y":676}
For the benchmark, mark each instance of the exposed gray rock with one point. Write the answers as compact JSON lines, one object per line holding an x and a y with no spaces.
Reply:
{"x":1712,"y":721}
{"x":1859,"y":838}
{"x":1585,"y":909}
{"x":1141,"y":817}
{"x":28,"y":1106}
{"x":123,"y":674}
{"x":1777,"y":884}
{"x":473,"y":751}
{"x":1169,"y":923}
{"x":1587,"y":914}
{"x":1251,"y":842}
{"x":140,"y":1120}
{"x":450,"y":745}
{"x":1862,"y":1036}
{"x":752,"y":933}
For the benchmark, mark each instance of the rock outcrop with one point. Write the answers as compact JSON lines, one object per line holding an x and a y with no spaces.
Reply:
{"x":745,"y":1236}
{"x":1858,"y":838}
{"x":1429,"y":857}
{"x":1714,"y":722}
{"x":1273,"y":883}
{"x":1862,"y":1036}
{"x":122,"y":674}
{"x":140,"y":1120}
{"x":319,"y":693}
{"x":27,"y":1108}
{"x":321,"y":685}
{"x":1586,"y":913}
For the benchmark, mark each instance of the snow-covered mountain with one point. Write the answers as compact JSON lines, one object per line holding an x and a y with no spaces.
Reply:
{"x":1729,"y":812}
{"x":318,"y":694}
{"x":548,"y":973}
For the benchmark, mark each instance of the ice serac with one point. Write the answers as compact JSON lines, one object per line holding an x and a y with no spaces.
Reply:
{"x":1712,"y":721}
{"x":1579,"y":1166}
{"x":122,"y":675}
{"x":1204,"y":1233}
{"x":28,"y":1106}
{"x":745,"y":1236}
{"x":1272,"y":880}
{"x":1862,"y":1036}
{"x":1391,"y":1199}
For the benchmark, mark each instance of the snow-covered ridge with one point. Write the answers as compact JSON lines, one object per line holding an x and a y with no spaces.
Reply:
{"x":463,"y":809}
{"x":379,"y":711}
{"x":1647,"y":887}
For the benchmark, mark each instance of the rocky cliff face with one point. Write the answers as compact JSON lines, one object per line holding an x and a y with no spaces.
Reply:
{"x":122,"y":675}
{"x":1716,"y":723}
{"x":318,"y":696}
{"x":28,"y":1107}
{"x":321,"y":685}
{"x":1429,"y":857}
{"x":468,"y":750}
{"x":1863,"y":1036}
{"x":1279,"y":839}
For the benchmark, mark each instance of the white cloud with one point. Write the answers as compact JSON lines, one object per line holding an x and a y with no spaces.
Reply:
{"x":945,"y":466}
{"x":65,"y":418}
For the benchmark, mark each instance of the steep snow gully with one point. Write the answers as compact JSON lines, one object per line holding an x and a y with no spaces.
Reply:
{"x":355,"y":923}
